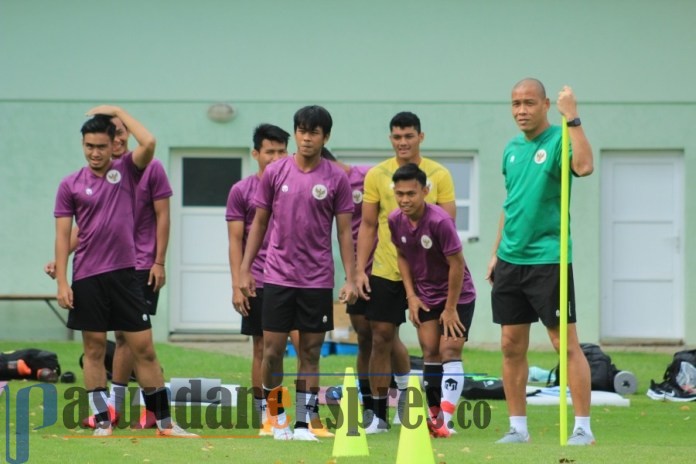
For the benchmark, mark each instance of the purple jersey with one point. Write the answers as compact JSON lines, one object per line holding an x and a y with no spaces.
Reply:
{"x":356,"y":177}
{"x":240,"y":207}
{"x":153,"y":186}
{"x":426,"y":248}
{"x":103,"y":211}
{"x":303,"y":205}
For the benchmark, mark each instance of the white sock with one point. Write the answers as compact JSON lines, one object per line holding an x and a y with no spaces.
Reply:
{"x":452,"y":386}
{"x":583,"y":422}
{"x":97,"y":402}
{"x":117,"y":397}
{"x":519,"y":423}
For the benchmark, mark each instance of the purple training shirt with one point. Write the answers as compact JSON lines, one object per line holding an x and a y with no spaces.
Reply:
{"x":103,"y":211}
{"x":240,"y":207}
{"x":426,"y":248}
{"x":303,"y":205}
{"x":153,"y":186}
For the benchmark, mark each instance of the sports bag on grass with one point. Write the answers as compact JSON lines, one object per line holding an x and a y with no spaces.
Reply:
{"x":601,"y":368}
{"x":30,"y":363}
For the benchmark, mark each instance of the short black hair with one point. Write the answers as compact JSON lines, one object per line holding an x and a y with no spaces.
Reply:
{"x":99,"y":124}
{"x":326,"y":154}
{"x":311,"y":117}
{"x":405,"y":119}
{"x":410,"y":171}
{"x":269,"y":132}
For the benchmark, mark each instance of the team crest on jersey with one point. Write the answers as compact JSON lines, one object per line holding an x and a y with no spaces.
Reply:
{"x":113,"y":176}
{"x":540,"y":156}
{"x":403,"y":239}
{"x":357,"y":197}
{"x":88,"y":191}
{"x":319,"y":191}
{"x":284,"y":188}
{"x":512,"y":159}
{"x":428,"y":184}
{"x":426,"y":242}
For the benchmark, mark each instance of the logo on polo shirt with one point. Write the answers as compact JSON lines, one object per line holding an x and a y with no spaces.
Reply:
{"x":88,"y":191}
{"x":357,"y":197}
{"x":113,"y":177}
{"x":428,"y":184}
{"x":403,"y":239}
{"x":319,"y":191}
{"x":540,"y":156}
{"x":426,"y":242}
{"x":512,"y":159}
{"x":284,"y":188}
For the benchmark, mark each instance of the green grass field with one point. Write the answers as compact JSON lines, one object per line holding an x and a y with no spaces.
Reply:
{"x":646,"y":432}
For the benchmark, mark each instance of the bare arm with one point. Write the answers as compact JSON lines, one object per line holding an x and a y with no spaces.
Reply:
{"x":145,"y":151}
{"x":450,"y":207}
{"x":50,"y":267}
{"x":582,"y":162}
{"x":345,"y":241}
{"x":235,"y":235}
{"x":496,"y":244}
{"x":62,"y":251}
{"x":366,"y":239}
{"x":157,"y":272}
{"x":254,"y":242}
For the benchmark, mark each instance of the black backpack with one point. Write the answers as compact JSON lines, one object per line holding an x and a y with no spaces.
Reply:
{"x":483,"y":387}
{"x":30,"y":363}
{"x":601,"y":368}
{"x":670,"y":375}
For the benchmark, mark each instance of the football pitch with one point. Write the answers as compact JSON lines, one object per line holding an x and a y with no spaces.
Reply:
{"x":647,"y":431}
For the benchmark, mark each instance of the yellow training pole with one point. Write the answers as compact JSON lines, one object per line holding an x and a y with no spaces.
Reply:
{"x":563,"y":303}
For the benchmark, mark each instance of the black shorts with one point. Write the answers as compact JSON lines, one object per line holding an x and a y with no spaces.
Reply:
{"x":304,"y":309}
{"x":523,"y":294}
{"x":151,"y":298}
{"x":110,"y":301}
{"x":252,"y":324}
{"x":387,"y":301}
{"x":464,"y":310}
{"x":359,"y":308}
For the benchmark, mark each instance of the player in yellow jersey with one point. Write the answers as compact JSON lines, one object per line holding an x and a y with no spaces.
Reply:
{"x":384,"y":290}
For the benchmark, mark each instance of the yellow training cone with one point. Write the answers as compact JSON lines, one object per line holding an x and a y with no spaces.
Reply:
{"x":350,"y":439}
{"x":414,"y":440}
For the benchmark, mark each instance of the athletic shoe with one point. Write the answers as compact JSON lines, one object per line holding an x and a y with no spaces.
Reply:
{"x":89,"y":422}
{"x":319,"y":430}
{"x":103,"y":431}
{"x":656,"y":392}
{"x":376,"y":425}
{"x":677,"y":394}
{"x":581,"y":438}
{"x":280,"y":427}
{"x":266,"y":429}
{"x":439,"y":432}
{"x":513,"y":436}
{"x":302,"y":434}
{"x":452,"y":430}
{"x":175,"y":432}
{"x":147,"y":420}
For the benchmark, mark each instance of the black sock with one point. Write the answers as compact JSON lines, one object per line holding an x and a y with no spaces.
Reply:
{"x":380,"y":406}
{"x":157,"y":402}
{"x":366,"y":393}
{"x":432,"y":379}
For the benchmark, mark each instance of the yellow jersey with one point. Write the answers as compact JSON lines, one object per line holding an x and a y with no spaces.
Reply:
{"x":379,"y":189}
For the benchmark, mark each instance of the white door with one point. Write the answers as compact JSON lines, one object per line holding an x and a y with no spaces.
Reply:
{"x":200,"y":295}
{"x":642,"y":255}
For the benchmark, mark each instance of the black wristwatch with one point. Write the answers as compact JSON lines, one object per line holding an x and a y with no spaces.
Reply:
{"x":574,"y":122}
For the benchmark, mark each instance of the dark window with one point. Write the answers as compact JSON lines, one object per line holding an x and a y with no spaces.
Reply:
{"x":207,"y":181}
